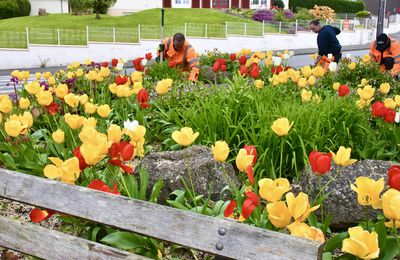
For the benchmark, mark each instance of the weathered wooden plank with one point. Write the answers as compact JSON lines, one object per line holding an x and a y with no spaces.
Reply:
{"x":50,"y":244}
{"x":218,"y":236}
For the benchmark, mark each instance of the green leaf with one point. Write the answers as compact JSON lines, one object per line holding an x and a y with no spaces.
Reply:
{"x":177,"y":205}
{"x":94,"y":233}
{"x":391,"y":250}
{"x":156,"y":190}
{"x":382,"y":234}
{"x":144,"y":182}
{"x":122,"y":240}
{"x":335,"y":241}
{"x":312,"y":220}
{"x":327,"y":256}
{"x":8,"y":161}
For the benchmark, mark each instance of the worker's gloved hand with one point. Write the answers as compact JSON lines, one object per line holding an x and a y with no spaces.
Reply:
{"x":161,"y":48}
{"x":388,"y":62}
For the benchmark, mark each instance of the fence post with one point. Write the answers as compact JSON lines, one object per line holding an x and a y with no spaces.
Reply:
{"x":114,"y":34}
{"x":185,"y":32}
{"x":366,"y":23}
{"x":341,"y":24}
{"x":245,"y":29}
{"x":295,"y":31}
{"x":206,"y":31}
{"x":280,"y":27}
{"x":138,"y":33}
{"x":58,"y":36}
{"x":87,"y":35}
{"x":27,"y":37}
{"x":263,"y":28}
{"x":226,"y":29}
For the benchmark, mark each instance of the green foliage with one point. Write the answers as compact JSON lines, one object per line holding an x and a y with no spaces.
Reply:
{"x":101,"y":6}
{"x":363,"y":14}
{"x":81,"y":7}
{"x":340,"y":6}
{"x":303,"y":14}
{"x":8,"y":9}
{"x":279,"y":4}
{"x":159,"y":71}
{"x":24,"y":7}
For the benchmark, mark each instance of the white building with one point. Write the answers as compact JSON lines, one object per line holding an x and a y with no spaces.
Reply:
{"x":51,"y":6}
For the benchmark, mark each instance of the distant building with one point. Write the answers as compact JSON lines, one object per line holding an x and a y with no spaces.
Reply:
{"x":51,"y":6}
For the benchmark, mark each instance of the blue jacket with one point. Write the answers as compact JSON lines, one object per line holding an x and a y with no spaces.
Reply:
{"x":327,"y":41}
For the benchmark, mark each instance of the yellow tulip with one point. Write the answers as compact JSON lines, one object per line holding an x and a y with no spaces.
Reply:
{"x":342,"y":157}
{"x":24,"y":103}
{"x":384,"y":88}
{"x":273,"y":190}
{"x":113,"y":88}
{"x":72,"y":100}
{"x":361,"y":243}
{"x":73,"y":121}
{"x":278,"y":214}
{"x":302,"y":83}
{"x":44,"y":98}
{"x":26,"y":119}
{"x":295,"y":76}
{"x":220,"y":151}
{"x":185,"y":136}
{"x":137,"y":86}
{"x":318,"y":71}
{"x":99,"y":78}
{"x":62,"y":90}
{"x":104,"y":72}
{"x":13,"y":127}
{"x":92,"y":153}
{"x":366,"y":58}
{"x":311,"y":80}
{"x":79,"y":73}
{"x":83,"y":99}
{"x":390,"y":204}
{"x":336,"y":86}
{"x":307,"y":71}
{"x":281,"y":126}
{"x":139,"y":148}
{"x":67,"y":171}
{"x":299,"y":206}
{"x":70,"y":75}
{"x":390,"y":103}
{"x":124,"y":91}
{"x":52,"y":80}
{"x":137,"y":134}
{"x":1,"y":117}
{"x":303,"y":230}
{"x":33,"y":88}
{"x":114,"y":133}
{"x":38,"y":75}
{"x":351,"y":66}
{"x":243,"y":160}
{"x":90,"y":108}
{"x":91,"y":75}
{"x":259,"y":84}
{"x":89,"y":122}
{"x":306,"y":95}
{"x":103,"y":111}
{"x":361,"y":103}
{"x":47,"y":74}
{"x":5,"y":104}
{"x":368,"y":191}
{"x":397,"y":100}
{"x":363,"y":82}
{"x":161,"y":89}
{"x":137,"y":76}
{"x":58,"y":136}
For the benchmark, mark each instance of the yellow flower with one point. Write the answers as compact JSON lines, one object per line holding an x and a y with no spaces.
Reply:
{"x":366,"y":58}
{"x":99,"y":78}
{"x":316,"y":98}
{"x":397,"y":100}
{"x":104,"y":72}
{"x":73,"y":121}
{"x":336,"y":86}
{"x":243,"y":160}
{"x":342,"y":157}
{"x":299,"y":206}
{"x":44,"y":98}
{"x":67,"y":171}
{"x":361,"y":103}
{"x":273,"y":190}
{"x":139,"y":148}
{"x":70,"y":75}
{"x":13,"y":127}
{"x":303,"y":230}
{"x":318,"y":71}
{"x":259,"y":84}
{"x":38,"y":75}
{"x":72,"y":100}
{"x":47,"y":74}
{"x":302,"y":83}
{"x":390,"y":103}
{"x":390,"y":204}
{"x":306,"y":95}
{"x":26,"y":119}
{"x":351,"y":66}
{"x":62,"y":90}
{"x":124,"y":91}
{"x":103,"y":111}
{"x":361,"y":243}
{"x":83,"y":99}
{"x":363,"y":82}
{"x":79,"y":72}
{"x":95,"y":145}
{"x":281,"y":126}
{"x":137,"y":134}
{"x":52,"y":80}
{"x":33,"y":87}
{"x":185,"y":136}
{"x":58,"y":136}
{"x":278,"y":214}
{"x":314,"y":56}
{"x":114,"y":133}
{"x":368,"y":191}
{"x":295,"y":76}
{"x":307,"y":71}
{"x":312,"y":80}
{"x":137,"y":86}
{"x":220,"y":151}
{"x":91,"y":75}
{"x":161,"y":88}
{"x":90,"y":108}
{"x":5,"y":104}
{"x":137,"y":76}
{"x":113,"y":88}
{"x":24,"y":103}
{"x":366,"y":93}
{"x":89,"y":122}
{"x":384,"y":88}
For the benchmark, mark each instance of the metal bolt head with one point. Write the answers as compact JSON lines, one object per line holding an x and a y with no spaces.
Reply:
{"x":222,"y":231}
{"x":219,"y":246}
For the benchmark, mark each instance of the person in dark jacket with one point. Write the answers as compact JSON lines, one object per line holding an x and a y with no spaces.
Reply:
{"x":326,"y":40}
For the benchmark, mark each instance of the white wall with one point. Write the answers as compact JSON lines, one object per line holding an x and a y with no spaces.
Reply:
{"x":123,"y":7}
{"x":51,"y":6}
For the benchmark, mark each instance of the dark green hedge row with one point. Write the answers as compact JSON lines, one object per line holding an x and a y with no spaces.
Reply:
{"x":340,"y":6}
{"x":14,"y":8}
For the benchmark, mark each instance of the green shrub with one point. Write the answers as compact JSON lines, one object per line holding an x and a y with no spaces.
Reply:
{"x":279,"y":4}
{"x":8,"y":9}
{"x":363,"y":14}
{"x":24,"y":7}
{"x":303,"y":14}
{"x":81,"y":7}
{"x":340,"y":6}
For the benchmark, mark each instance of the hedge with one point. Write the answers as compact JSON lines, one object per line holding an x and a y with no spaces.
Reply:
{"x":340,"y":6}
{"x":14,"y":8}
{"x":24,"y":7}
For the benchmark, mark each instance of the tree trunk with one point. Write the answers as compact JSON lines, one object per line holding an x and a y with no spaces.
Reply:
{"x":97,"y":15}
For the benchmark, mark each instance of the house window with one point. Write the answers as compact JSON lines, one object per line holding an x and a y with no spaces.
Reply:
{"x":181,"y":2}
{"x":256,"y":2}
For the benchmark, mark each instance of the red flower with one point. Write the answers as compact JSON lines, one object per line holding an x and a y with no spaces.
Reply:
{"x":390,"y":115}
{"x":171,"y":64}
{"x":223,"y":68}
{"x":243,"y":71}
{"x":221,"y":61}
{"x":343,"y":90}
{"x":121,"y":80}
{"x":276,"y":70}
{"x":120,"y":152}
{"x":148,"y":56}
{"x":250,"y":174}
{"x":232,"y":56}
{"x":320,"y":162}
{"x":242,"y":60}
{"x":287,"y":68}
{"x":37,"y":215}
{"x":251,"y":150}
{"x":142,"y":98}
{"x":255,"y":72}
{"x":101,"y":186}
{"x":378,"y":109}
{"x":216,"y":67}
{"x":82,"y":163}
{"x":104,"y":64}
{"x":394,"y":177}
{"x":250,"y":203}
{"x":137,"y":63}
{"x":229,"y":209}
{"x":52,"y":109}
{"x":114,"y":62}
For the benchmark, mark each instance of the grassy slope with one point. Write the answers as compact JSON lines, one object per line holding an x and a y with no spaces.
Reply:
{"x":152,"y":16}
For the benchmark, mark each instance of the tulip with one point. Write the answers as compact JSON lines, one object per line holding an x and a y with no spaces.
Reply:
{"x":5,"y":104}
{"x":136,"y":132}
{"x":243,"y":160}
{"x":143,"y":97}
{"x":351,"y":66}
{"x":344,"y":90}
{"x":384,"y":88}
{"x":139,"y":147}
{"x":73,"y":121}
{"x":114,"y":133}
{"x":320,"y":162}
{"x":281,"y":126}
{"x":232,"y":56}
{"x":52,"y":80}
{"x":13,"y":127}
{"x":121,"y":80}
{"x":90,"y":108}
{"x":58,"y":136}
{"x":62,"y":90}
{"x":299,"y":206}
{"x":366,"y":93}
{"x":137,"y":87}
{"x":67,"y":171}
{"x":378,"y":109}
{"x":389,"y":115}
{"x":83,"y":99}
{"x":394,"y":177}
{"x":44,"y":98}
{"x":303,"y":230}
{"x":390,"y":204}
{"x":306,"y":95}
{"x":121,"y":152}
{"x":366,"y":58}
{"x":249,"y":204}
{"x":220,"y":151}
{"x":336,"y":86}
{"x":342,"y":157}
{"x":137,"y":76}
{"x":332,"y":67}
{"x":242,"y":60}
{"x":302,"y":83}
{"x":311,"y":80}
{"x":318,"y":71}
{"x":24,"y":103}
{"x":259,"y":84}
{"x":273,"y":190}
{"x":243,"y":71}
{"x":185,"y":136}
{"x":397,"y":100}
{"x":307,"y":71}
{"x":278,"y":214}
{"x":37,"y":215}
{"x":103,"y":111}
{"x":72,"y":100}
{"x":89,"y":122}
{"x":361,"y":243}
{"x":228,"y":212}
{"x":368,"y":191}
{"x":390,"y":103}
{"x":33,"y":87}
{"x":101,"y":186}
{"x":77,"y":154}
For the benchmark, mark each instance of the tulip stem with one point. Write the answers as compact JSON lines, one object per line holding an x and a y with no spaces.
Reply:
{"x":395,"y":235}
{"x":320,"y":190}
{"x":281,"y":159}
{"x":190,"y":177}
{"x":326,"y":185}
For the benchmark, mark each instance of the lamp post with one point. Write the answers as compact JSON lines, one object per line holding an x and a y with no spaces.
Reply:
{"x":381,"y":17}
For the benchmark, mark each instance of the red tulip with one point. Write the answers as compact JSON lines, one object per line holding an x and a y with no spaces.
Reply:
{"x":114,"y":62}
{"x":104,"y":64}
{"x":37,"y":215}
{"x":221,"y":61}
{"x":216,"y":67}
{"x":250,"y":174}
{"x":223,"y":68}
{"x":121,"y":80}
{"x":137,"y":63}
{"x":229,"y":209}
{"x":394,"y":177}
{"x":120,"y":152}
{"x":52,"y":109}
{"x":250,"y":203}
{"x":232,"y":56}
{"x":82,"y":162}
{"x":378,"y":109}
{"x":390,"y":115}
{"x":242,"y":60}
{"x":142,"y":98}
{"x":101,"y":186}
{"x":148,"y":56}
{"x":243,"y":70}
{"x":172,"y":64}
{"x":276,"y":70}
{"x":320,"y":162}
{"x":255,"y":72}
{"x":343,"y":90}
{"x":251,"y":150}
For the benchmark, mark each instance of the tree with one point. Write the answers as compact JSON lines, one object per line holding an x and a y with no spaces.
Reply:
{"x":101,"y":6}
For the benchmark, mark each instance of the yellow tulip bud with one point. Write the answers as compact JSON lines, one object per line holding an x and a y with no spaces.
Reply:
{"x":103,"y":111}
{"x":13,"y":127}
{"x":137,"y":134}
{"x":311,"y":80}
{"x":33,"y":88}
{"x":281,"y":126}
{"x":384,"y":88}
{"x":47,"y":75}
{"x":243,"y":160}
{"x":342,"y":157}
{"x":137,"y":76}
{"x":79,"y":72}
{"x":44,"y":98}
{"x":73,"y":121}
{"x":366,"y":58}
{"x":390,"y":204}
{"x":351,"y":66}
{"x":72,"y":100}
{"x":302,"y":83}
{"x":24,"y":103}
{"x":5,"y":104}
{"x":38,"y":75}
{"x":397,"y":100}
{"x":89,"y":122}
{"x":259,"y":84}
{"x":306,"y":95}
{"x":104,"y":72}
{"x":307,"y":71}
{"x":52,"y":80}
{"x":185,"y":136}
{"x":83,"y":99}
{"x":273,"y":190}
{"x":336,"y":86}
{"x":114,"y":133}
{"x":366,"y":93}
{"x":361,"y":243}
{"x":58,"y":136}
{"x":318,"y":71}
{"x":113,"y":88}
{"x":390,"y":103}
{"x":137,"y":86}
{"x":220,"y":151}
{"x":90,"y":108}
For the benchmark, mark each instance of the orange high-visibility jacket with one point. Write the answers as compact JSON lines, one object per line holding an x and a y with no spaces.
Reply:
{"x":186,"y":57}
{"x":393,"y":51}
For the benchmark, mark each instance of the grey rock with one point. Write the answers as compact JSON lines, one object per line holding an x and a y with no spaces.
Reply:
{"x":208,"y":75}
{"x":342,"y":201}
{"x":208,"y":176}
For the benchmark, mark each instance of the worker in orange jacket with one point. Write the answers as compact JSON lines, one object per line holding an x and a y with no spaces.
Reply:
{"x":386,"y":51}
{"x":180,"y":53}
